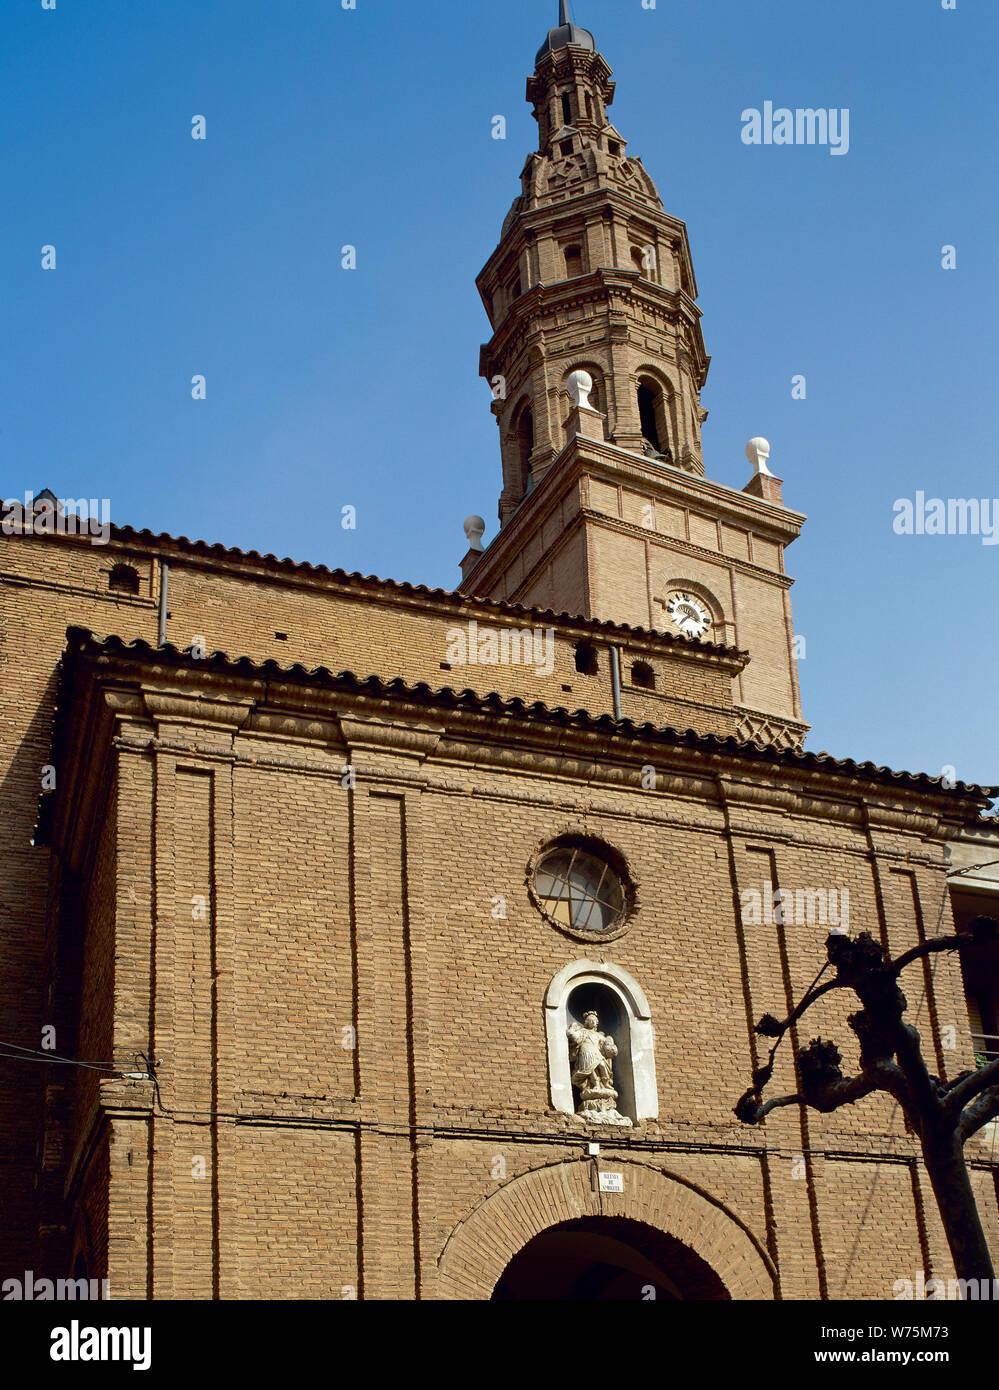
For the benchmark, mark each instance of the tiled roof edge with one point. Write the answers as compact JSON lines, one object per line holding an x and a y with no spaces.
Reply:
{"x":81,"y":641}
{"x":128,"y":535}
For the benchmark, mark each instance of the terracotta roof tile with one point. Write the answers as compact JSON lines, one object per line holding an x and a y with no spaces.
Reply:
{"x":129,"y":536}
{"x":82,"y":642}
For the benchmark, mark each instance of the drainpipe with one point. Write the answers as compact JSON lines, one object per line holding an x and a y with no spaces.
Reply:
{"x":615,"y":661}
{"x":164,"y":589}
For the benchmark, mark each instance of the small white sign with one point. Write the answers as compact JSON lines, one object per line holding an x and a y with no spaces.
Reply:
{"x":611,"y":1182}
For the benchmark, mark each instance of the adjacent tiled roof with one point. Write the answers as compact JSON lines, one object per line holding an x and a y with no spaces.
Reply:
{"x":129,"y":536}
{"x":82,"y":642}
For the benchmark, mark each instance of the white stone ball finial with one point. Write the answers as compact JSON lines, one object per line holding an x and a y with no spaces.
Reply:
{"x":580,"y":385}
{"x":758,"y":451}
{"x":474,"y":528}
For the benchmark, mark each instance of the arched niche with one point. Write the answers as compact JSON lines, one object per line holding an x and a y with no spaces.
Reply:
{"x":623,"y":1010}
{"x":518,"y":442}
{"x":657,"y":401}
{"x":599,"y":397}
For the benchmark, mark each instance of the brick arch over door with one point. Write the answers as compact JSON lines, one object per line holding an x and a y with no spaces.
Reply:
{"x":482,"y":1245}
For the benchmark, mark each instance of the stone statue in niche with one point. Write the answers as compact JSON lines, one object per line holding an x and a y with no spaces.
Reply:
{"x":591,"y":1056}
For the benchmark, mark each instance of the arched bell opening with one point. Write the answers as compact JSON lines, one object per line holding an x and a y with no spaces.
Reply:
{"x":654,"y":417}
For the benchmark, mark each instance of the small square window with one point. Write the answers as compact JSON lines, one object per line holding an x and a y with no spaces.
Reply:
{"x":586,"y":659}
{"x":566,"y":147}
{"x":643,"y":676}
{"x":123,"y":579}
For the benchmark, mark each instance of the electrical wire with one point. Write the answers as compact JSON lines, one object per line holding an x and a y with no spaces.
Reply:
{"x":33,"y":1054}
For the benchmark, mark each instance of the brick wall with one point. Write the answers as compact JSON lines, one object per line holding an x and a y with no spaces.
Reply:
{"x":245,"y":911}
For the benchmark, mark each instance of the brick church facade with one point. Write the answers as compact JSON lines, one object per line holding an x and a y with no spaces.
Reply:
{"x":334,"y":869}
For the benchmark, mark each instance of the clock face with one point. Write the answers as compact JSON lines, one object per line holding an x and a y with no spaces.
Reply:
{"x":687,"y":613}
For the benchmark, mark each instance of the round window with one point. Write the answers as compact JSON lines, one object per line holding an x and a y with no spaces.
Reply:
{"x":580,"y":891}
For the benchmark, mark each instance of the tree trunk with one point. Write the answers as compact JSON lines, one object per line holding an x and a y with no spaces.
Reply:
{"x":948,"y":1173}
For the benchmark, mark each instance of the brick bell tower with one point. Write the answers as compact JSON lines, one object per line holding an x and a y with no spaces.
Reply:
{"x":596,"y":365}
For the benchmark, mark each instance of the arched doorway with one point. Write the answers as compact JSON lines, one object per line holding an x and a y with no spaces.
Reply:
{"x":700,"y":1233}
{"x":607,"y":1259}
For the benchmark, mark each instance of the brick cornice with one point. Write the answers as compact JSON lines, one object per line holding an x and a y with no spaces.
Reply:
{"x":595,"y":202}
{"x":610,"y":464}
{"x":471,"y":729}
{"x":360,"y":735}
{"x":622,"y":291}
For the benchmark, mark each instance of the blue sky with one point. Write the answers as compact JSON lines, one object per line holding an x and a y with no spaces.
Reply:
{"x":327,"y":387}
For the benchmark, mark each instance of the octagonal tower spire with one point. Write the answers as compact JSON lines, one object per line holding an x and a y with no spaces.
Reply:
{"x":590,"y":274}
{"x":596,"y":365}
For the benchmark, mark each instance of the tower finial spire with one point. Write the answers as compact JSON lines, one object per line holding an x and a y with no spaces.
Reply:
{"x":567,"y":33}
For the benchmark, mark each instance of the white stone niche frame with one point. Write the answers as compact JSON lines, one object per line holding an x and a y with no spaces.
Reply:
{"x":642,"y":1039}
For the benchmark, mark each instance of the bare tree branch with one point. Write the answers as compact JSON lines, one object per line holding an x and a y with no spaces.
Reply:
{"x":969,"y":1085}
{"x":751,"y":1113}
{"x":770,"y":1027}
{"x":978,"y":1114}
{"x":891,"y":1060}
{"x":928,"y":948}
{"x":846,"y":1092}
